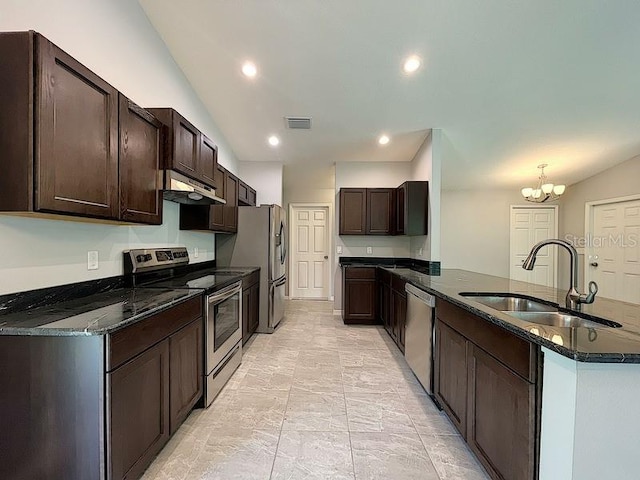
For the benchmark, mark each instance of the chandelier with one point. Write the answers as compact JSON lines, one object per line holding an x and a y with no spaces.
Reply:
{"x":544,"y":191}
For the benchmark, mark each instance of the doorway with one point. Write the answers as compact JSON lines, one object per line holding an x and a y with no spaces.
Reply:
{"x":310,"y":251}
{"x":528,"y":226}
{"x":612,"y":253}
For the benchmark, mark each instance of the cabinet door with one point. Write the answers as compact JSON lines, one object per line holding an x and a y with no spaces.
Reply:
{"x":400,"y":314}
{"x":76,"y":143}
{"x":451,"y":374}
{"x":141,"y":151}
{"x":138,"y":411}
{"x":501,"y":423}
{"x":245,"y":315}
{"x":380,"y":210}
{"x":254,"y":308}
{"x":353,"y":206}
{"x":243,"y":193}
{"x":401,"y":195}
{"x":230,"y":210}
{"x":186,"y":147}
{"x":360,"y":301}
{"x":186,"y":365}
{"x":208,"y":161}
{"x":253,"y":197}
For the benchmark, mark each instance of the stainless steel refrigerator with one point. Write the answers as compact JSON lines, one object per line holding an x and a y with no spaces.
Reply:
{"x":261,"y":241}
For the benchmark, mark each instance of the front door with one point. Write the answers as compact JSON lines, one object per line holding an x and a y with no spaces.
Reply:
{"x":310,"y":253}
{"x":613,"y":259}
{"x":530,"y":225}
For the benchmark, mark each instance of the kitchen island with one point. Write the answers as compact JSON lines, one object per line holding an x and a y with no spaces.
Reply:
{"x":589,"y":378}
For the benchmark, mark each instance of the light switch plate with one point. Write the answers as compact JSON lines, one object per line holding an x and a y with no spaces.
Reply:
{"x":195,"y":252}
{"x":92,"y":260}
{"x":369,"y":250}
{"x":338,"y":249}
{"x":420,"y":251}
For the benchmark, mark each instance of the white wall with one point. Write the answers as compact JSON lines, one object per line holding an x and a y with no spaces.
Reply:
{"x":114,"y":39}
{"x":427,"y":165}
{"x":42,"y":253}
{"x":266,"y":178}
{"x":475,"y":230}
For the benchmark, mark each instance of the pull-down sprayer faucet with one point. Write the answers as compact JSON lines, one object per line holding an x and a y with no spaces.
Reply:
{"x":574,"y":299}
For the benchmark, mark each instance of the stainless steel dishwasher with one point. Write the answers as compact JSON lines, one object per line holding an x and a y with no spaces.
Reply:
{"x":419,"y":335}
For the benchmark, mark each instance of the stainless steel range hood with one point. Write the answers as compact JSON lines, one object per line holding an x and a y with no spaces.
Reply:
{"x":182,"y":189}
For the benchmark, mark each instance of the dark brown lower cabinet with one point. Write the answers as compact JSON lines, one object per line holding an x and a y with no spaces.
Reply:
{"x":488,"y":383}
{"x":139,"y":411}
{"x":186,"y":367}
{"x":154,"y":378}
{"x":501,"y":431}
{"x":250,"y":305}
{"x":451,"y":375}
{"x":384,"y":299}
{"x":359,"y":295}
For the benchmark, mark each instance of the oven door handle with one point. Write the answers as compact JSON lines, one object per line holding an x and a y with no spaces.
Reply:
{"x":228,"y":292}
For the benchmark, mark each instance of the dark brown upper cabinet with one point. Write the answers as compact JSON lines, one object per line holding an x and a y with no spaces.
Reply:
{"x":141,"y":151}
{"x":215,"y":218}
{"x":58,"y":132}
{"x":70,"y":144}
{"x":411,"y":208}
{"x":353,"y":211}
{"x":367,"y":211}
{"x":381,"y":210}
{"x":246,"y":195}
{"x":188,"y":151}
{"x":208,"y":161}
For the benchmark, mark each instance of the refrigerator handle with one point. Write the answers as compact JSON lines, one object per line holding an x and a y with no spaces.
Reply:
{"x":280,"y":282}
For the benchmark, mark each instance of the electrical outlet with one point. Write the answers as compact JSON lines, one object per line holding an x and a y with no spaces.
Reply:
{"x":369,"y":250}
{"x":195,"y":252}
{"x":92,"y":260}
{"x":338,"y":249}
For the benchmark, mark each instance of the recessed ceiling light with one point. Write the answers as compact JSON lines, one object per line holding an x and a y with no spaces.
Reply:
{"x":249,"y":69}
{"x":274,"y":141}
{"x":383,"y":140}
{"x":411,"y":64}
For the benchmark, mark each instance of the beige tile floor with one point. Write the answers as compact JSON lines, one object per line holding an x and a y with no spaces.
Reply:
{"x":318,"y":400}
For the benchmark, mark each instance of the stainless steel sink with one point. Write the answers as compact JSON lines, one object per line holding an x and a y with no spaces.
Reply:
{"x":529,"y":310}
{"x":559,"y":319}
{"x":509,"y":303}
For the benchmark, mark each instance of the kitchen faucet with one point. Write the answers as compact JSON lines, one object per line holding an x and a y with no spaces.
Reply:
{"x":574,"y":299}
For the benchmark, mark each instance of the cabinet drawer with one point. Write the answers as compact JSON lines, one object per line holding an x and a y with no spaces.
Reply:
{"x":366,"y":273}
{"x":397,"y":283}
{"x":130,"y":341}
{"x":514,"y":352}
{"x":250,"y":279}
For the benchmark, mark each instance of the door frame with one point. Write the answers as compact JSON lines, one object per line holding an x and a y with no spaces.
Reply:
{"x":589,"y":209}
{"x":291,"y":257}
{"x":556,"y":209}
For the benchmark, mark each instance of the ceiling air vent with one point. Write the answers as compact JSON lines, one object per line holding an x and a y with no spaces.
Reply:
{"x":298,"y":123}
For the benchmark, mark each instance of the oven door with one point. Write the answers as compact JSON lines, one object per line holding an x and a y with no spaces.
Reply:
{"x":224,"y":323}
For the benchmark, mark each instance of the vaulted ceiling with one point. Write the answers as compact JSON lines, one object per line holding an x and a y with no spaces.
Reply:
{"x":512,"y":83}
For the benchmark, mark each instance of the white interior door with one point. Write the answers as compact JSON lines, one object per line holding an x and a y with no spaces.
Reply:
{"x":310,"y":253}
{"x":530,"y":225}
{"x":613,"y":260}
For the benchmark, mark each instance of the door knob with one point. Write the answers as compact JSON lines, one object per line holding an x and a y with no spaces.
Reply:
{"x":326,"y":257}
{"x":594,"y":264}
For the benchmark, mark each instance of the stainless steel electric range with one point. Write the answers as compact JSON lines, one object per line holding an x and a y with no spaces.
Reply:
{"x":163,"y":267}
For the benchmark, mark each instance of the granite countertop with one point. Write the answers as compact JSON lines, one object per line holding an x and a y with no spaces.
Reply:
{"x":101,"y":306}
{"x":97,"y":314}
{"x":599,"y":345}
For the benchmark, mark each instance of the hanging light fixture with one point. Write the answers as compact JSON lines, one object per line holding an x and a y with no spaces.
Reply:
{"x":544,"y":191}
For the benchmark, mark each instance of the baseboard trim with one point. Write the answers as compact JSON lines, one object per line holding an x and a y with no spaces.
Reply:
{"x":337,"y":312}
